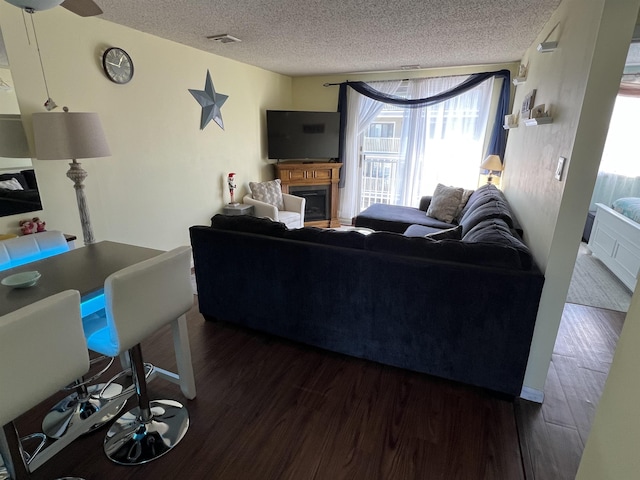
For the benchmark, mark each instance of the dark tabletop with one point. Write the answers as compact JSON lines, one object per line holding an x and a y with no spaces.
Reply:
{"x":84,"y":269}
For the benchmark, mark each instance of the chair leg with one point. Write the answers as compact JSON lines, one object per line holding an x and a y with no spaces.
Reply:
{"x":83,"y":404}
{"x":78,"y":407}
{"x":149,"y":430}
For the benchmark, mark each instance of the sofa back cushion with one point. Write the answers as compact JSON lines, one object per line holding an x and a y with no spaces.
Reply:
{"x":248,"y":224}
{"x":348,"y":239}
{"x":475,"y":253}
{"x":485,"y":209}
{"x":497,"y":231}
{"x":485,"y":191}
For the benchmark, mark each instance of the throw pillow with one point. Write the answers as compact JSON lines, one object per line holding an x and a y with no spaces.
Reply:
{"x":454,"y":233}
{"x":12,"y":184}
{"x":444,"y":203}
{"x":269,"y":192}
{"x":466,"y":194}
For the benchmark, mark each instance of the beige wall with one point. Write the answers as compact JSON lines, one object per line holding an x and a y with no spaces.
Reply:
{"x":164,"y":174}
{"x":579,"y":81}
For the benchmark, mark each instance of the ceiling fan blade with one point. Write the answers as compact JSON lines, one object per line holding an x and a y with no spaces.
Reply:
{"x":84,"y":8}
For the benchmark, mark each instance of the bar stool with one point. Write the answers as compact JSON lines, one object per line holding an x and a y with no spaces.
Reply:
{"x":139,"y":300}
{"x":49,"y":329}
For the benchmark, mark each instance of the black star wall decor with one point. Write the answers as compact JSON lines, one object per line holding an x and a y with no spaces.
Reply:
{"x":211,"y":103}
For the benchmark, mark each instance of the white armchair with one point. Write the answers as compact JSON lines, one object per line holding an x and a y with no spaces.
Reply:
{"x":292,"y":215}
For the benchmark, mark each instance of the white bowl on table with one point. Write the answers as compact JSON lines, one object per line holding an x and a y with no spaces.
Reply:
{"x":21,"y":280}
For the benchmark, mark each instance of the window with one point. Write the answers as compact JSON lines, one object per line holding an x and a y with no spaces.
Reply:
{"x":381,"y":130}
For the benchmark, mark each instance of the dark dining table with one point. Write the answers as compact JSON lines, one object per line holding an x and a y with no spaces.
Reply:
{"x":84,"y":269}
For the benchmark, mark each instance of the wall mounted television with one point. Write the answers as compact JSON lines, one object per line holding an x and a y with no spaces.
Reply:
{"x":300,"y":134}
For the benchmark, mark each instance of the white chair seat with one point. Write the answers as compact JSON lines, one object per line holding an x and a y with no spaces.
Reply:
{"x":290,"y":219}
{"x":292,"y":215}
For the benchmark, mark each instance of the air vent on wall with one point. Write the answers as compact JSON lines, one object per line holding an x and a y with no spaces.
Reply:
{"x":224,"y":38}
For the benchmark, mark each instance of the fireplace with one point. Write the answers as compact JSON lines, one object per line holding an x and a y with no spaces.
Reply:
{"x":317,"y":201}
{"x":317,"y":182}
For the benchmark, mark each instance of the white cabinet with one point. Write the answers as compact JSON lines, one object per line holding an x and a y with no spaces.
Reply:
{"x":615,"y":240}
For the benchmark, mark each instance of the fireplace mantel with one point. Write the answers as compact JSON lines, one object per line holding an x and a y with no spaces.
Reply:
{"x":311,"y":174}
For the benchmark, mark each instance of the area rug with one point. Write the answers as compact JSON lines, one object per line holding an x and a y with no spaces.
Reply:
{"x":592,"y":284}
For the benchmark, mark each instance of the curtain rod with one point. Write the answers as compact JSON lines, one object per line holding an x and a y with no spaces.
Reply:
{"x":347,"y":81}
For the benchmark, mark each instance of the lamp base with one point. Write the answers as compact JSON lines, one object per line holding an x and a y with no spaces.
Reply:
{"x":77,"y":175}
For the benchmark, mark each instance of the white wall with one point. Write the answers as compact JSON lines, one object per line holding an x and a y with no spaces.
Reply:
{"x":164,"y":174}
{"x":579,"y":80}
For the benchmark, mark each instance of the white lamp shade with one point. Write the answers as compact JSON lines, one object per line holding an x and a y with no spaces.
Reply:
{"x":493,"y":163}
{"x":69,"y":135}
{"x":13,"y":141}
{"x":36,"y":5}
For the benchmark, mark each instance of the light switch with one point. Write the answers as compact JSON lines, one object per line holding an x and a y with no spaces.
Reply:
{"x":560,"y":168}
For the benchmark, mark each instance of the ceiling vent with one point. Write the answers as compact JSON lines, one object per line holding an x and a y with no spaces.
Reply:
{"x":224,"y":38}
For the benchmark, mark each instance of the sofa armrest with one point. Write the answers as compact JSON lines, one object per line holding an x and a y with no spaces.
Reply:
{"x":293,"y":203}
{"x":425,"y":202}
{"x":262,"y":209}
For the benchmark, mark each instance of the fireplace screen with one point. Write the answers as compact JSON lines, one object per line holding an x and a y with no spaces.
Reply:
{"x":317,"y":201}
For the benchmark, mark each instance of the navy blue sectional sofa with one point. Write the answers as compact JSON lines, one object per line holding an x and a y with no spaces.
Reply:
{"x":463,"y":309}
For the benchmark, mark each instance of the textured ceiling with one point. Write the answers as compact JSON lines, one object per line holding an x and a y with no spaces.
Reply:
{"x":313,"y":37}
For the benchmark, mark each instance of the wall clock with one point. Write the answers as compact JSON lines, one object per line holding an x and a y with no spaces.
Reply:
{"x":117,"y":65}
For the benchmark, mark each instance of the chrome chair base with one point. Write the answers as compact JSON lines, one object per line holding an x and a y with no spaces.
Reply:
{"x":72,"y":410}
{"x":131,"y":441}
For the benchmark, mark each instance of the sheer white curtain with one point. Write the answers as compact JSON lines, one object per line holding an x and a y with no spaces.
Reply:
{"x":442,"y":143}
{"x":619,"y":174}
{"x":361,"y":111}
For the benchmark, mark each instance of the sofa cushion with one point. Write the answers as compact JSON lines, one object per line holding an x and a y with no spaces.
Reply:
{"x":485,"y":209}
{"x":269,"y":192}
{"x":17,"y":176}
{"x":30,"y":178}
{"x":445,"y":202}
{"x":496,"y":231}
{"x":454,"y":233}
{"x":420,"y":231}
{"x":485,"y":191}
{"x":395,"y":218}
{"x":476,"y":253}
{"x":348,"y":239}
{"x":11,"y":184}
{"x":248,"y":224}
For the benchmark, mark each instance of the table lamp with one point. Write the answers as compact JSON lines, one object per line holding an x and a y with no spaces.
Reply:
{"x":71,"y":135}
{"x":493,"y":164}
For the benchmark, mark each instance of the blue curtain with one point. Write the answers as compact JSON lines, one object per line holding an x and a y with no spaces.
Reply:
{"x":498,"y":140}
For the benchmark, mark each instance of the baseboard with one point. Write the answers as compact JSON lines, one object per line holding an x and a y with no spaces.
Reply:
{"x":532,"y":394}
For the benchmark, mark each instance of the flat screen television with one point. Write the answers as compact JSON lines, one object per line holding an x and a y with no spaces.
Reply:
{"x":298,"y":134}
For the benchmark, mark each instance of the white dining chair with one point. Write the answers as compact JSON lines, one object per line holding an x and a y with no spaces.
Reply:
{"x":43,"y":348}
{"x":139,"y":300}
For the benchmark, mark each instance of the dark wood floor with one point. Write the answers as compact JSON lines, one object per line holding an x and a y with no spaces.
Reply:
{"x":272,"y":409}
{"x":553,"y":434}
